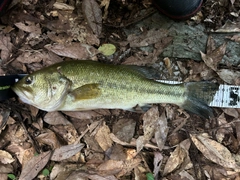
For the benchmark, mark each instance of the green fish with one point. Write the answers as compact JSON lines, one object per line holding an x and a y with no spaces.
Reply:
{"x":85,"y":85}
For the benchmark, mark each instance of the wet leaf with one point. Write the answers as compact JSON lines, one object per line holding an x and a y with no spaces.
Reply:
{"x":93,"y":15}
{"x":214,"y":151}
{"x":74,"y":50}
{"x":5,"y":157}
{"x":37,"y":163}
{"x":67,"y":151}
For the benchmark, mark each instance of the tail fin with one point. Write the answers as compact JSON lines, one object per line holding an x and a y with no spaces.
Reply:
{"x":199,"y":95}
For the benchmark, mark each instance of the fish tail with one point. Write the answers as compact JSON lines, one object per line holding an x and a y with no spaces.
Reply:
{"x":199,"y":95}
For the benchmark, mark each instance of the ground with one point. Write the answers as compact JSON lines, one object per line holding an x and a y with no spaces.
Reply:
{"x":164,"y":142}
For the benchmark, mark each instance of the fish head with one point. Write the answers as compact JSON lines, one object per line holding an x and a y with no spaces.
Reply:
{"x":44,"y":90}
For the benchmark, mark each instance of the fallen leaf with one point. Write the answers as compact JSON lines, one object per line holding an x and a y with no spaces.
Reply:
{"x":66,"y":132}
{"x":107,"y":49}
{"x":102,"y":137}
{"x":229,"y":27}
{"x":150,"y":119}
{"x":5,"y":157}
{"x":157,"y":162}
{"x":66,"y":152}
{"x":6,"y":46}
{"x":93,"y":15}
{"x":213,"y":58}
{"x":229,"y":76}
{"x":179,"y":158}
{"x":55,"y":118}
{"x":29,"y":26}
{"x":161,"y":131}
{"x":231,"y":112}
{"x":5,"y":168}
{"x":31,"y":169}
{"x":214,"y":151}
{"x":73,"y":50}
{"x":49,"y":138}
{"x":63,"y":6}
{"x":147,"y":38}
{"x":124,"y":129}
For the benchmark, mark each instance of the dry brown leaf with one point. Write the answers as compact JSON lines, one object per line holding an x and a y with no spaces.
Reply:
{"x":117,"y":152}
{"x":32,"y":56}
{"x":48,"y":138}
{"x":5,"y":168}
{"x":6,"y":46}
{"x":229,"y":76}
{"x":147,"y":38}
{"x":73,"y":50}
{"x":55,"y":118}
{"x":213,"y":58}
{"x":67,"y":132}
{"x":124,"y":129}
{"x":105,"y":4}
{"x":29,"y":26}
{"x":235,"y":38}
{"x":150,"y":119}
{"x":83,"y":114}
{"x":35,"y":165}
{"x":229,"y":27}
{"x":157,"y":162}
{"x":103,"y":138}
{"x":179,"y":158}
{"x":161,"y":131}
{"x":66,"y":152}
{"x":231,"y":112}
{"x":5,"y":157}
{"x":88,"y":175}
{"x":93,"y":15}
{"x":63,"y":6}
{"x":214,"y":151}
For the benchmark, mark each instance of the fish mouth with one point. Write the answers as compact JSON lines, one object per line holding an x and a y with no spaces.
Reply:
{"x":23,"y":94}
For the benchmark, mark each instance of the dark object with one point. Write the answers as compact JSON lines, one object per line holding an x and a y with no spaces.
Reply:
{"x":5,"y":85}
{"x":3,"y":6}
{"x":178,"y":9}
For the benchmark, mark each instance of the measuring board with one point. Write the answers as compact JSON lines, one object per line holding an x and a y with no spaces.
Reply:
{"x":227,"y":96}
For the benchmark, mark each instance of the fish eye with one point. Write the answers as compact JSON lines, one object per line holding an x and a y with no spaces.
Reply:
{"x":28,"y":80}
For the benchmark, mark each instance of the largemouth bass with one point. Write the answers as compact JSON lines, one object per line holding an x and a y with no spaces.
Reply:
{"x":84,"y":85}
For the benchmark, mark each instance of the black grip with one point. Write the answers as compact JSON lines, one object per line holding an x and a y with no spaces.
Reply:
{"x":5,"y":85}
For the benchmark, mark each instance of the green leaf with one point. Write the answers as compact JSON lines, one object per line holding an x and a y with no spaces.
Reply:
{"x":107,"y":49}
{"x":11,"y":176}
{"x":150,"y":176}
{"x":46,"y":172}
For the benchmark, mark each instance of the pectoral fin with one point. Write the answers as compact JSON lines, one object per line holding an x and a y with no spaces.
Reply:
{"x":88,"y":91}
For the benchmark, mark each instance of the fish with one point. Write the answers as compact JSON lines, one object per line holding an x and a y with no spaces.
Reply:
{"x":78,"y":85}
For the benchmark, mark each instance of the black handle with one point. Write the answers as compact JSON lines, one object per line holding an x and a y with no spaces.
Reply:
{"x":5,"y":85}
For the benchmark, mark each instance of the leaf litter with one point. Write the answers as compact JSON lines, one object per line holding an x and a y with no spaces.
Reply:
{"x":115,"y":144}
